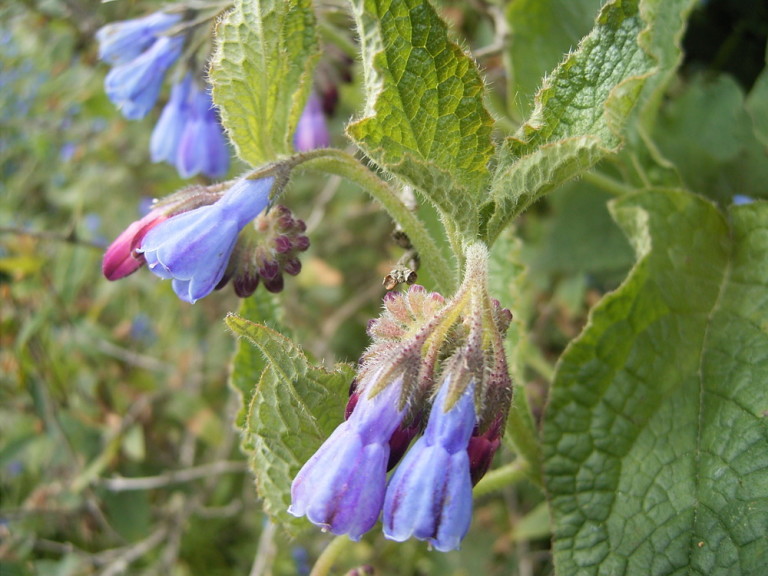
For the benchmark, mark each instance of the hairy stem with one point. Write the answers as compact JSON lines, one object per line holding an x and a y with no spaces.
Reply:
{"x":342,"y":164}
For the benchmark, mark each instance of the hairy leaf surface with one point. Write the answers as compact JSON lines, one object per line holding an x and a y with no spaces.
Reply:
{"x":262,"y":74}
{"x":293,"y":408}
{"x":424,"y":118}
{"x":582,"y":107}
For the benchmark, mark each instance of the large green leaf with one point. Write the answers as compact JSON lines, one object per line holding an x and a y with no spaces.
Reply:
{"x":424,"y":118}
{"x":293,"y":408}
{"x":262,"y":73}
{"x":582,"y":107}
{"x":655,"y":438}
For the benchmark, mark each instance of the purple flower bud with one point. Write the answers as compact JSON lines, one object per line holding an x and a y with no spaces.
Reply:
{"x":301,"y":243}
{"x":283,"y":244}
{"x":341,"y":488}
{"x":121,"y":258}
{"x":430,"y":494}
{"x":269,"y":269}
{"x":193,"y":248}
{"x":312,"y":130}
{"x":292,"y":267}
{"x":121,"y":42}
{"x":135,"y":85}
{"x":275,"y":284}
{"x":482,"y":448}
{"x":246,"y":284}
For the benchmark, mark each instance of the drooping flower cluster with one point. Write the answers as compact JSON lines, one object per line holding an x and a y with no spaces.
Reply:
{"x":200,"y":238}
{"x":189,"y":134}
{"x":432,"y":361}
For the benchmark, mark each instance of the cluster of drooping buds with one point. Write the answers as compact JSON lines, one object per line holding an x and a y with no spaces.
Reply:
{"x":432,"y":361}
{"x":266,"y":251}
{"x":189,"y":134}
{"x":199,"y":238}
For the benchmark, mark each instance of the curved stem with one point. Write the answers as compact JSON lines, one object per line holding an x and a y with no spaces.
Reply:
{"x":606,"y":183}
{"x":328,"y":556}
{"x":337,"y":162}
{"x":502,"y":477}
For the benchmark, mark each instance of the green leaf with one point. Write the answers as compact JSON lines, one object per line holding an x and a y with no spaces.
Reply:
{"x":424,"y":119}
{"x":294,"y":407}
{"x":247,"y":366}
{"x":655,"y":436}
{"x":709,"y":136}
{"x":757,"y":105}
{"x":580,"y":237}
{"x":261,"y":73}
{"x":540,"y":33}
{"x":581,"y":110}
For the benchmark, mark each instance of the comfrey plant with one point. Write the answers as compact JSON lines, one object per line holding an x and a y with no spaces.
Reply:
{"x":651,"y":448}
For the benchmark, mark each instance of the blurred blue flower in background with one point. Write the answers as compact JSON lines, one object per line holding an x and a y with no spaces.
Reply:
{"x":189,"y":134}
{"x":312,"y":129}
{"x":135,"y":85}
{"x":121,"y":42}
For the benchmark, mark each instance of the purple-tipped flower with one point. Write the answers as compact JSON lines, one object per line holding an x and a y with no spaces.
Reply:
{"x":122,"y":258}
{"x":193,"y":249}
{"x":189,"y":134}
{"x":430,"y":494}
{"x":341,"y":488}
{"x":312,"y":129}
{"x":121,"y":42}
{"x":134,"y":85}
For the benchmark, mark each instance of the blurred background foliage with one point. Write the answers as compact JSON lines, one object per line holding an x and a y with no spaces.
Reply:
{"x":117,"y":451}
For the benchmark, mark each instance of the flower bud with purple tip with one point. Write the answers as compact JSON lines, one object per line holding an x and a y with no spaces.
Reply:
{"x":193,"y":248}
{"x":122,"y":257}
{"x":267,"y":250}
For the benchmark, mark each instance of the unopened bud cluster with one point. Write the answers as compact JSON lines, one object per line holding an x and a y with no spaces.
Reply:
{"x":266,"y":251}
{"x":435,"y":372}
